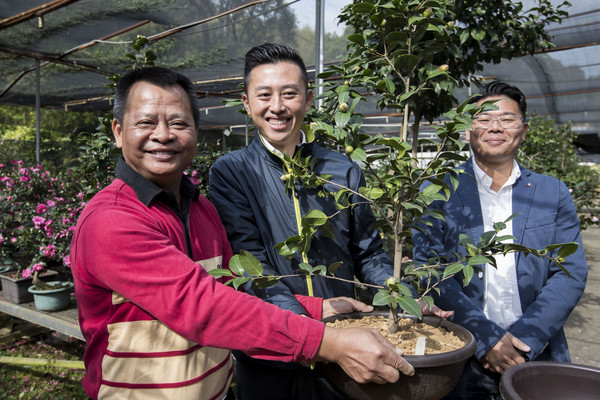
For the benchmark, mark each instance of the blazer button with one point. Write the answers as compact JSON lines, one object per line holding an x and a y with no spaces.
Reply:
{"x":480,"y":274}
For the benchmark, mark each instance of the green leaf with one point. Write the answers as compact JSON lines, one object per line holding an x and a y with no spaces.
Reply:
{"x":240,"y":281}
{"x":452,"y":269}
{"x":314,"y":218}
{"x":333,"y":267}
{"x":220,"y":272}
{"x":567,"y":249}
{"x":264,"y":282}
{"x":407,"y":62}
{"x":395,"y":37}
{"x":357,"y":38}
{"x":478,"y":260}
{"x":372,"y":193}
{"x":382,"y":298}
{"x":432,"y":189}
{"x":342,"y":118}
{"x":409,"y":305}
{"x":468,"y":272}
{"x":251,"y":265}
{"x":486,"y":238}
{"x":306,"y":267}
{"x":358,"y":155}
{"x":235,"y":265}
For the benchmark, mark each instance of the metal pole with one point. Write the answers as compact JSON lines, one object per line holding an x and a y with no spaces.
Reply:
{"x":37,"y":111}
{"x":319,"y":40}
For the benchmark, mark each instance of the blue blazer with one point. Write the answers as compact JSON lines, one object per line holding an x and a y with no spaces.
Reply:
{"x":546,"y":215}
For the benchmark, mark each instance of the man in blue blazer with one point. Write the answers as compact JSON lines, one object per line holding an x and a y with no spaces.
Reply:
{"x":517,"y":311}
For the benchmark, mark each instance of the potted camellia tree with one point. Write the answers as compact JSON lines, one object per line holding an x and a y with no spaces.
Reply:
{"x":412,"y":55}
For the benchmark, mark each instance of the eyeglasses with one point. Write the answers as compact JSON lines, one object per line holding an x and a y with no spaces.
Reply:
{"x":505,"y":121}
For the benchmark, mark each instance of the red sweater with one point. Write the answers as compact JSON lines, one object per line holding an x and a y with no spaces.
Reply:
{"x":155,"y":323}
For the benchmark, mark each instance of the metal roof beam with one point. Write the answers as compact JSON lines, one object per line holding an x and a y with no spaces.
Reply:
{"x":34,"y":12}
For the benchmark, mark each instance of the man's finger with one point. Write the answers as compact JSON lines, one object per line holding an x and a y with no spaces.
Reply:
{"x":402,"y":365}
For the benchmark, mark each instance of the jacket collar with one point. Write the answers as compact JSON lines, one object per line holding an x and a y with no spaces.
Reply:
{"x":257,"y":144}
{"x":146,"y":191}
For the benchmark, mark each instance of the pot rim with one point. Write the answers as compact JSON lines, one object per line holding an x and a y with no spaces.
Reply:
{"x":507,"y":389}
{"x":34,"y":289}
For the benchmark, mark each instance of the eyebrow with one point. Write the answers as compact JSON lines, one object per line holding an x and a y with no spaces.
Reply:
{"x":288,"y":86}
{"x":502,"y":115}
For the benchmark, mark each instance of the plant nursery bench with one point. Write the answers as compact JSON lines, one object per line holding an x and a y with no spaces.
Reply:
{"x":64,"y":321}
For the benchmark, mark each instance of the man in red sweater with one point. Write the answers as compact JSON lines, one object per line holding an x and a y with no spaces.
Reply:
{"x":157,"y":325}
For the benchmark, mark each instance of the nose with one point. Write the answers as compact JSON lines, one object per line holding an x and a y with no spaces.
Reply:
{"x":495,"y":125}
{"x":276,"y":105}
{"x":161,"y":133}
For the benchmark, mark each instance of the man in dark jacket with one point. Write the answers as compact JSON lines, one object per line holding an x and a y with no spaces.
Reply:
{"x":258,"y":212}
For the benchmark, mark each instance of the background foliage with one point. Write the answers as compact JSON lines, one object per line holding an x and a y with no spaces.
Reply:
{"x":549,"y":150}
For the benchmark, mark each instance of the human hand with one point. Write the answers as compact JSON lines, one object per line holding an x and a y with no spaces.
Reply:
{"x":364,"y":354}
{"x":435,"y":310}
{"x":343,"y":305}
{"x":506,"y":353}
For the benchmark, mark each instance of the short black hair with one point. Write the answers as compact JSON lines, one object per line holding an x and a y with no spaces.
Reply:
{"x":499,"y":88}
{"x":159,"y":76}
{"x":272,"y":53}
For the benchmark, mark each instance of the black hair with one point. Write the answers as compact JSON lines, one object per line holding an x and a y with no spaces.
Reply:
{"x":272,"y":53}
{"x":499,"y":88}
{"x":159,"y":76}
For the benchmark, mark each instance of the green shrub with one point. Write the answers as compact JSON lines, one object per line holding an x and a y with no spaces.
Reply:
{"x":549,"y":150}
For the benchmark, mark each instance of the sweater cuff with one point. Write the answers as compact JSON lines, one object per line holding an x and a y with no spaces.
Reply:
{"x":312,"y":305}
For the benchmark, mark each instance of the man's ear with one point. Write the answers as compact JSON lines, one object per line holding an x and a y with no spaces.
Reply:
{"x":246,"y":103}
{"x":524,"y":134}
{"x":309,"y":99}
{"x":117,"y":133}
{"x":467,"y":135}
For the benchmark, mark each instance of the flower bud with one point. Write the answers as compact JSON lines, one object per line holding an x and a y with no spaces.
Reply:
{"x":343,"y":107}
{"x":349,"y":149}
{"x":443,"y":67}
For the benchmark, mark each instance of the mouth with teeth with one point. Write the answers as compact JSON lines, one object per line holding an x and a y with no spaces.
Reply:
{"x":162,"y":154}
{"x":277,"y":122}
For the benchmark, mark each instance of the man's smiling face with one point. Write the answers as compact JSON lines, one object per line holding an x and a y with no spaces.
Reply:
{"x":496,"y":144}
{"x":158,"y":134}
{"x":277,"y":100}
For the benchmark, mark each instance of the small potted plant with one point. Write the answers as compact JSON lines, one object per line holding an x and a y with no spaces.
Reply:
{"x":48,"y":296}
{"x":15,"y":283}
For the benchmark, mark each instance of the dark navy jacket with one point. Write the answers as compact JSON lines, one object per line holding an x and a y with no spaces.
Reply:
{"x":247,"y":190}
{"x":546,"y":216}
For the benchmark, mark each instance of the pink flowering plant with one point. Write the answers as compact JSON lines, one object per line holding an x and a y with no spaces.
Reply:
{"x":39,"y":210}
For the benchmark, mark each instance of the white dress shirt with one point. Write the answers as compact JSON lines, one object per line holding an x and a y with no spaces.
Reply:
{"x":501,"y":301}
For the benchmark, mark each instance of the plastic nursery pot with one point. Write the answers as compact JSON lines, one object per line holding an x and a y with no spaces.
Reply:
{"x":53,"y":299}
{"x":537,"y":380}
{"x":435,"y":374}
{"x":14,"y":286}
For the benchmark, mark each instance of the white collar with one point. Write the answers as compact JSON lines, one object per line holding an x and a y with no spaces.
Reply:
{"x":273,"y":150}
{"x":486,"y":181}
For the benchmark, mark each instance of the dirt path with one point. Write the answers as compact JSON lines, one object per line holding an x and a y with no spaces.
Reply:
{"x":583,"y":325}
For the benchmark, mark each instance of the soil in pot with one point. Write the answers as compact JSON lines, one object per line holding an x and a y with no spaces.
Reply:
{"x":437,"y":339}
{"x":435,"y":374}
